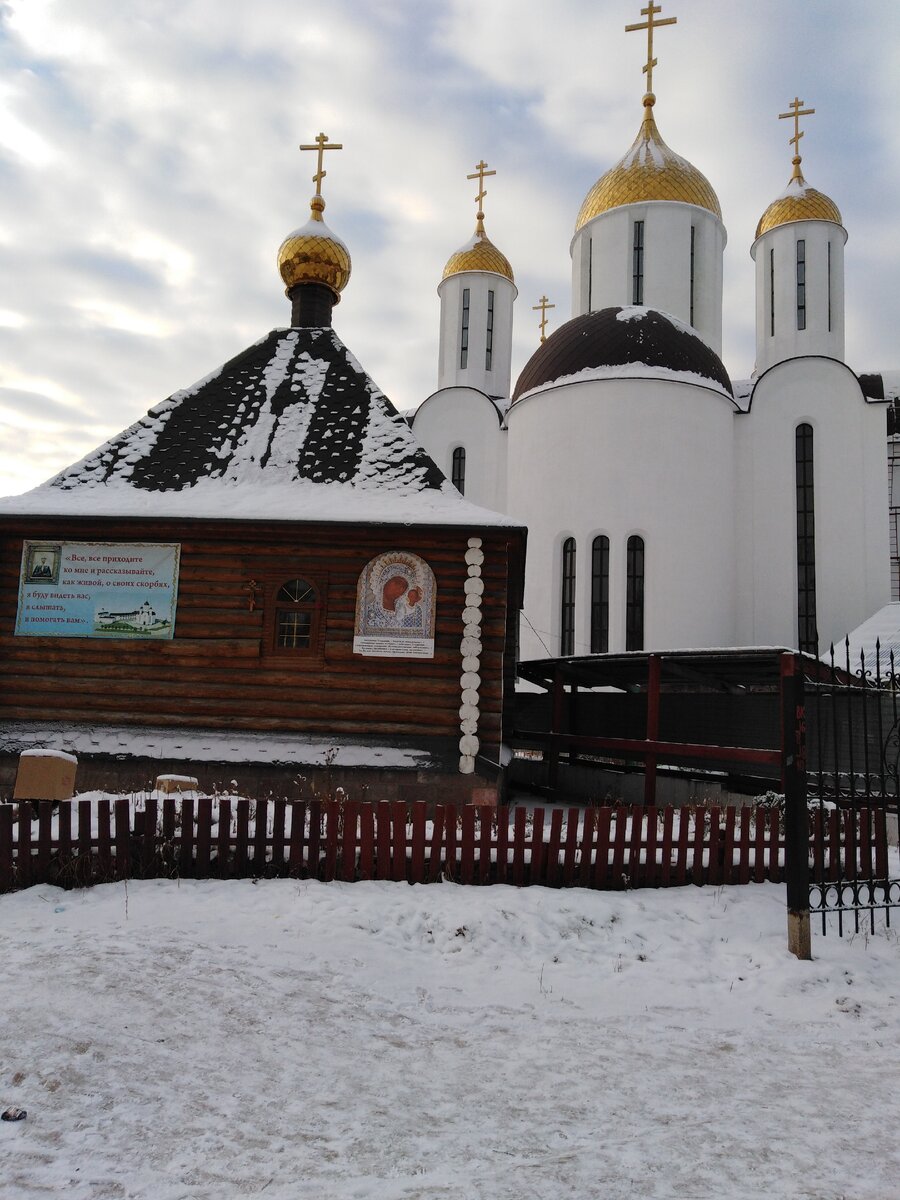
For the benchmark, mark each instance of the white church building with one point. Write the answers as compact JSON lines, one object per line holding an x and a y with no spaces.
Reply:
{"x":668,"y":505}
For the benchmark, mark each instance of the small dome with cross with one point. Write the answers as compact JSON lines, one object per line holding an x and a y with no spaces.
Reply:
{"x":312,"y":253}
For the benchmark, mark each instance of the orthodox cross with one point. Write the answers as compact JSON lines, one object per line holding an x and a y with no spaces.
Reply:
{"x":480,"y":172}
{"x":649,"y":12}
{"x":543,"y":305}
{"x":797,"y":111}
{"x":321,"y":145}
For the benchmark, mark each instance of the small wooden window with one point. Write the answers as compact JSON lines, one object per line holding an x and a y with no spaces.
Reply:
{"x":296,"y":616}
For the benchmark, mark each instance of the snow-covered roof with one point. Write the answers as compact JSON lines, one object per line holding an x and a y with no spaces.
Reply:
{"x":881,"y":385}
{"x":290,"y":429}
{"x":623,"y":342}
{"x":882,"y":627}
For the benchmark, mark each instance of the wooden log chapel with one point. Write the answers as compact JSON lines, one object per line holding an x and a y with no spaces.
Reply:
{"x":269,"y":550}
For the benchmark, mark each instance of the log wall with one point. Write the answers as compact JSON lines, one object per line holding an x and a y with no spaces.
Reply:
{"x":221,"y":669}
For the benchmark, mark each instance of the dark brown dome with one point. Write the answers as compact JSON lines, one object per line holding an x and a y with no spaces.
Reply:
{"x":604,"y":339}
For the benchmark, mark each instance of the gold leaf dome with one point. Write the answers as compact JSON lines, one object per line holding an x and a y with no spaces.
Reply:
{"x":799,"y":202}
{"x":313,"y":254}
{"x":649,"y":171}
{"x":479,"y":254}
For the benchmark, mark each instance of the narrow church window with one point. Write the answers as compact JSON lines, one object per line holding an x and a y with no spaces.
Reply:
{"x":829,"y":287}
{"x":458,"y":469}
{"x":567,"y":607}
{"x":489,"y":344}
{"x":637,"y":264}
{"x":693,"y":240}
{"x":634,"y":594}
{"x":590,"y":274}
{"x":801,"y":283}
{"x":808,"y":637}
{"x":771,"y":293}
{"x":295,"y":612}
{"x":600,"y":595}
{"x":464,"y":332}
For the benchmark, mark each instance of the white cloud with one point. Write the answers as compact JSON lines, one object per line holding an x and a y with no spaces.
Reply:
{"x":149,"y":170}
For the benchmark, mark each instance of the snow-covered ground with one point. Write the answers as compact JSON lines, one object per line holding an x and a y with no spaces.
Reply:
{"x":211,"y":1040}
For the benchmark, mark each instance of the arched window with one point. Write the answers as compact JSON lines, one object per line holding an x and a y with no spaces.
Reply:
{"x":634,"y":594}
{"x":458,"y":470}
{"x":801,"y":283}
{"x":807,"y":633}
{"x":600,"y":595}
{"x":296,"y":615}
{"x":567,"y":606}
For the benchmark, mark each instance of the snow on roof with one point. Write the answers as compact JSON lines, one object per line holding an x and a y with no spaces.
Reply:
{"x":883,"y":627}
{"x":291,"y":429}
{"x":634,"y":370}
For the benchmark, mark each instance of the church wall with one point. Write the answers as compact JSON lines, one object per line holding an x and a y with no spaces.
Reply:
{"x":667,"y":263}
{"x":621,"y":457}
{"x":850,"y":486}
{"x":463,"y":417}
{"x":494,"y":382}
{"x":824,"y":332}
{"x":222,"y":670}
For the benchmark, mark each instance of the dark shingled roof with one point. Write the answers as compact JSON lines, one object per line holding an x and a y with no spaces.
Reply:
{"x":295,"y":406}
{"x":601,"y":339}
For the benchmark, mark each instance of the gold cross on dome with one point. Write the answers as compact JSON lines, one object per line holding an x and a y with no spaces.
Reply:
{"x":480,"y":172}
{"x":649,"y":12}
{"x":797,"y":111}
{"x":321,"y":145}
{"x":543,"y":304}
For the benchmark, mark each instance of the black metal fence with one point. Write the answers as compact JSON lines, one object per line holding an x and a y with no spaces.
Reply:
{"x":852,"y":709}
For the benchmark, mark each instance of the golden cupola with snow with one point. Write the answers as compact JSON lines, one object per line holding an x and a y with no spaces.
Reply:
{"x":313,"y":262}
{"x":799,"y":257}
{"x":650,"y":230}
{"x":477,"y":292}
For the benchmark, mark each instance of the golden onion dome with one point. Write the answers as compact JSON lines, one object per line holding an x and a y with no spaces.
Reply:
{"x":798,"y":202}
{"x":649,"y":171}
{"x":479,"y":254}
{"x":313,"y":254}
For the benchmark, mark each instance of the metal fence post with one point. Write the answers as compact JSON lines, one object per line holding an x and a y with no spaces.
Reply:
{"x":796,"y":815}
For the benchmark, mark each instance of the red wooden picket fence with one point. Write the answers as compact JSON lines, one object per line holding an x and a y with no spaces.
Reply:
{"x":77,"y":843}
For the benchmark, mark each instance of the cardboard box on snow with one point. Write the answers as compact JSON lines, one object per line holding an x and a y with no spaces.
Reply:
{"x":45,"y":775}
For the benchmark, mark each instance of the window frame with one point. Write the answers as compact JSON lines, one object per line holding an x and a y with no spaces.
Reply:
{"x":489,"y":331}
{"x":458,"y":469}
{"x":313,"y":654}
{"x":600,"y":594}
{"x":637,"y":263}
{"x":635,"y":588}
{"x":568,"y":580}
{"x":464,"y":330}
{"x":804,"y":460}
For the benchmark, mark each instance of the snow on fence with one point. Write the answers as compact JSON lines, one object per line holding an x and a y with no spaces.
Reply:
{"x":77,"y":843}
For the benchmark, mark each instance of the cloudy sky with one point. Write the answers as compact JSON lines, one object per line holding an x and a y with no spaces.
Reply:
{"x":149,"y":170}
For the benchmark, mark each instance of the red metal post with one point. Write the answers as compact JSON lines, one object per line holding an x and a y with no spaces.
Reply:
{"x":653,"y":676}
